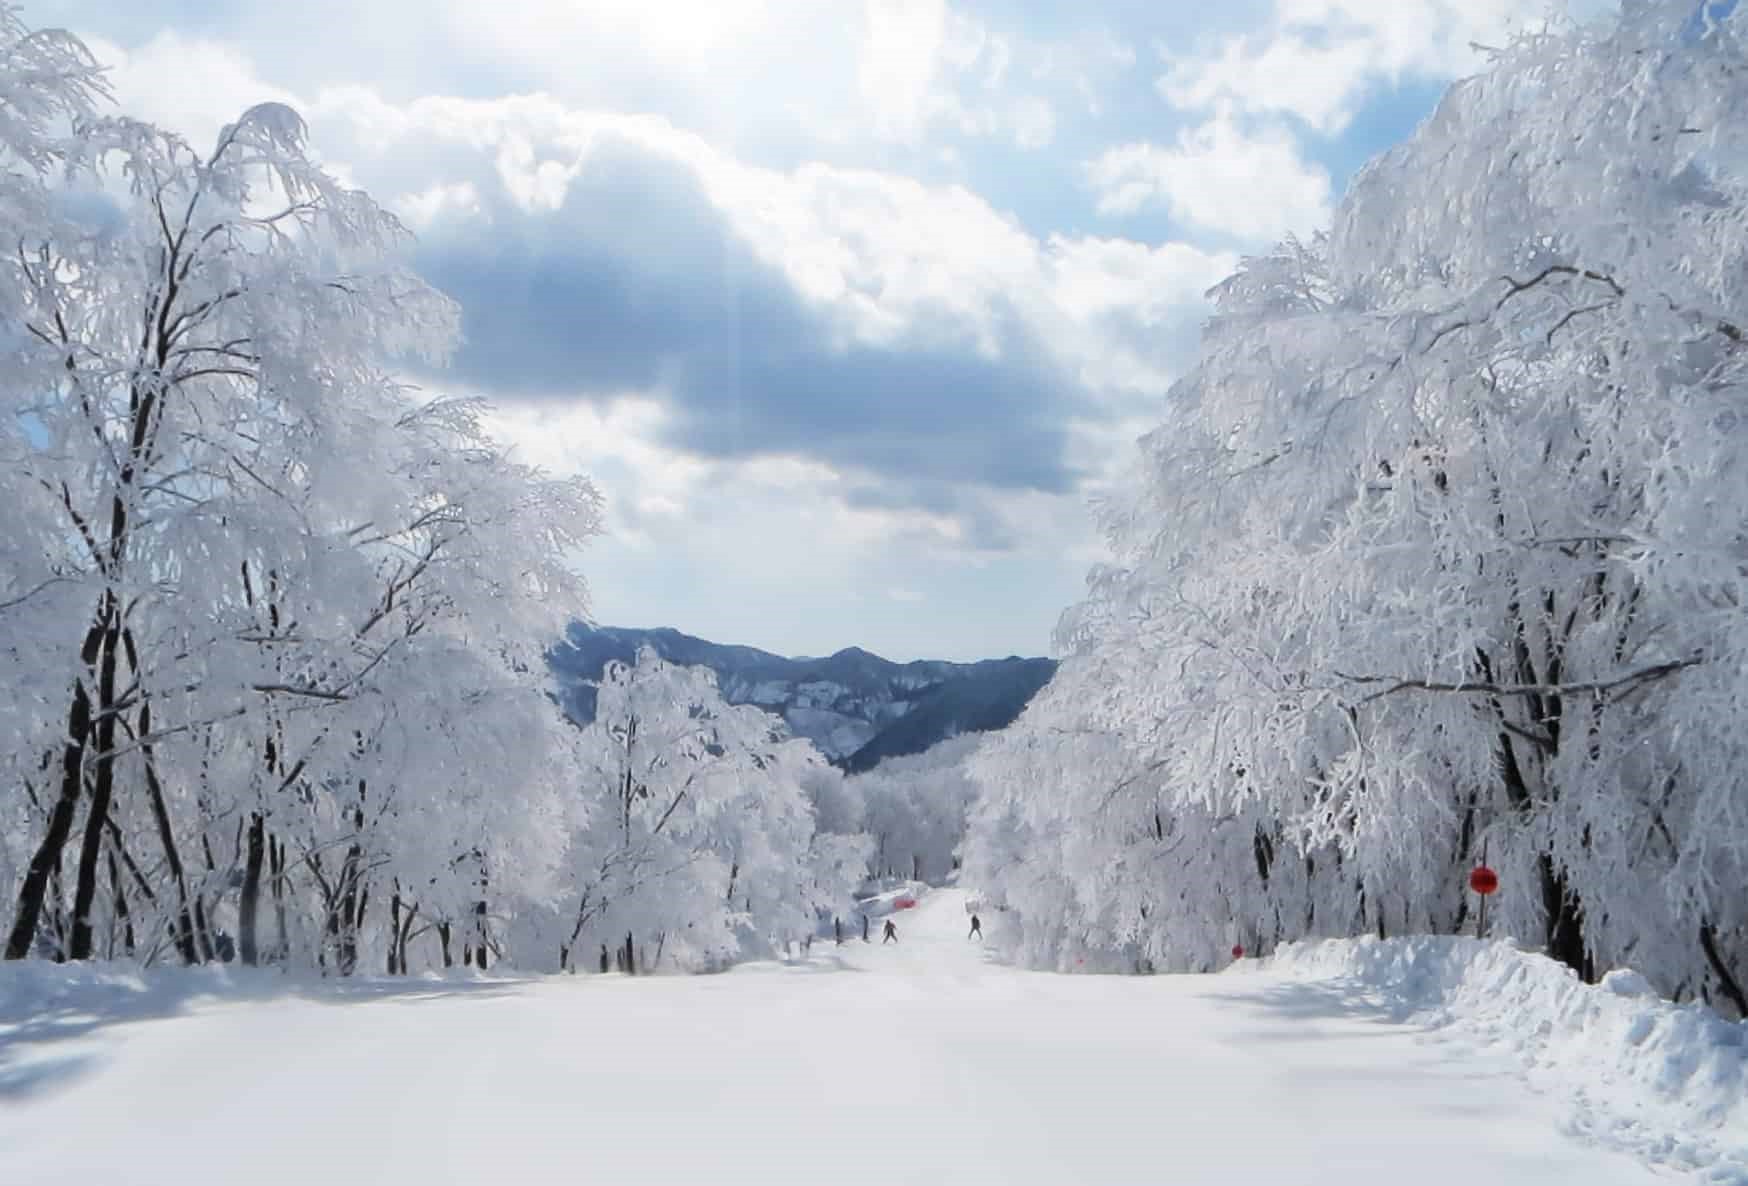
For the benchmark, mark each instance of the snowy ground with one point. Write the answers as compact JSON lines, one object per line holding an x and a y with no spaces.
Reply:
{"x":919,"y":1062}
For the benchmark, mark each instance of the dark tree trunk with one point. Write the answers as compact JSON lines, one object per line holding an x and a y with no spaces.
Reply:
{"x":1563,"y":913}
{"x":182,"y":927}
{"x":249,"y":897}
{"x":405,"y":913}
{"x":479,"y":924}
{"x":1564,"y":921}
{"x":443,"y":938}
{"x":347,"y":914}
{"x":1263,"y":849}
{"x":276,"y":887}
{"x":57,"y":915}
{"x":564,"y":951}
{"x":412,"y":910}
{"x":202,"y":931}
{"x":103,"y":782}
{"x":102,"y":790}
{"x":47,"y":858}
{"x":1708,"y":941}
{"x":121,"y":912}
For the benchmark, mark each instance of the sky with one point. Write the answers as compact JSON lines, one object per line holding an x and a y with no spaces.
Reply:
{"x":849,"y":307}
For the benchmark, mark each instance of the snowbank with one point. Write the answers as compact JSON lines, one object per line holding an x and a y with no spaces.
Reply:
{"x":1667,"y":1082}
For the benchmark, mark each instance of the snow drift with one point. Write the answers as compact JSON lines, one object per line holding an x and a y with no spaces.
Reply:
{"x":1667,"y":1082}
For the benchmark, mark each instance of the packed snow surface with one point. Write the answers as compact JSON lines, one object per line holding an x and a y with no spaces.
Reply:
{"x":915,"y":1062}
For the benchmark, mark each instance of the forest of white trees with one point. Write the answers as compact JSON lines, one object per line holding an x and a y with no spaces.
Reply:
{"x":1438,"y":555}
{"x":274,"y":623}
{"x":914,"y":809}
{"x":1440,"y":552}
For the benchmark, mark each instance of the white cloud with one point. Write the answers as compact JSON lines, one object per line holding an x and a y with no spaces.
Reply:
{"x":777,"y":554}
{"x":1095,"y":278}
{"x":192,"y":85}
{"x":888,"y":260}
{"x":901,"y":58}
{"x":1317,"y":59}
{"x":751,"y":74}
{"x":429,"y":207}
{"x":1254,"y":186}
{"x":1286,"y":75}
{"x":1123,"y":300}
{"x":926,"y":67}
{"x":615,"y":443}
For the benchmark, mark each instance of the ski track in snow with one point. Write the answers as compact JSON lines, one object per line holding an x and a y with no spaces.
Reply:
{"x":918,"y":1062}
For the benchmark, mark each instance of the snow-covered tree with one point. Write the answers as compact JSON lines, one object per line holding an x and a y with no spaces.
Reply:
{"x":701,"y":844}
{"x":1438,"y":551}
{"x":275,"y":620}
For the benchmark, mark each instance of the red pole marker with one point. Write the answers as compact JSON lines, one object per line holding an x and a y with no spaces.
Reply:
{"x":1483,"y":881}
{"x":1238,"y":952}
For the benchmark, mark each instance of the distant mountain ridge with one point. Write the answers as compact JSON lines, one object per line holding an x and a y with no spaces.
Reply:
{"x":854,"y":705}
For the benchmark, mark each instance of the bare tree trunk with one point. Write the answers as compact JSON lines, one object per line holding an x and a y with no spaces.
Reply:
{"x":394,"y":933}
{"x":182,"y":925}
{"x":276,"y":889}
{"x":1565,"y":920}
{"x":1708,"y":940}
{"x":47,"y":858}
{"x":249,"y":897}
{"x":479,"y":932}
{"x":346,"y":914}
{"x":120,"y":913}
{"x":404,"y":933}
{"x":102,"y":789}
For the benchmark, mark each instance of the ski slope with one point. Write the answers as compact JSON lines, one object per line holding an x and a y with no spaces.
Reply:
{"x":915,"y":1062}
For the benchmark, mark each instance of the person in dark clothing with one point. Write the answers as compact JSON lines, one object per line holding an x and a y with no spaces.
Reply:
{"x":976,"y":928}
{"x":889,"y":935}
{"x":838,"y":930}
{"x":864,"y":928}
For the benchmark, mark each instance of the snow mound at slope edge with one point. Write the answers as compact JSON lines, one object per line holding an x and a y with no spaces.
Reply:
{"x":1665,"y":1081}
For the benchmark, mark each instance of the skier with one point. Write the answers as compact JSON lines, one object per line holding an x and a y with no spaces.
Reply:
{"x":976,"y":928}
{"x":838,"y":930}
{"x":864,"y":928}
{"x":889,"y":935}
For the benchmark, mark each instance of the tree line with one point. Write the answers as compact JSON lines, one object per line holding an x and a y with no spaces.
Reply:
{"x":1437,"y":555}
